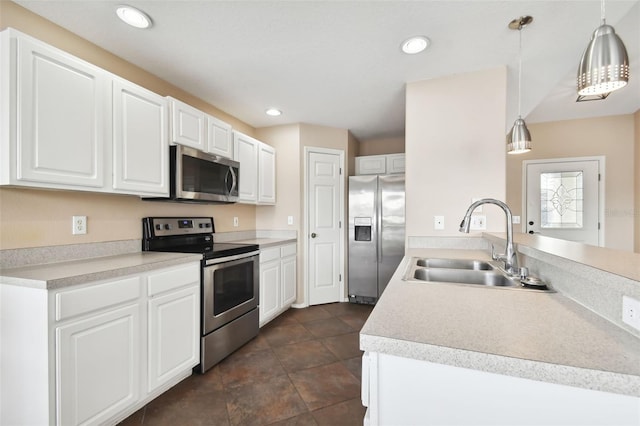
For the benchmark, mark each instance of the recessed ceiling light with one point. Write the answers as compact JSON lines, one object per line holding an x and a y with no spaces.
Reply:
{"x":415,"y":45}
{"x":273,"y":112}
{"x":134,"y":17}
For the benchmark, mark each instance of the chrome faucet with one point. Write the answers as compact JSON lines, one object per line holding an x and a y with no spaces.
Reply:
{"x":509,"y":258}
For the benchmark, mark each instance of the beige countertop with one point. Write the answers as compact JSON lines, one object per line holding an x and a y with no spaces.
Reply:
{"x":267,"y":242}
{"x":533,"y":335}
{"x":63,"y":274}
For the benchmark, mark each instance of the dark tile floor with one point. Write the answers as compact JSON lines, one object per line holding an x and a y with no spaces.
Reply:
{"x":302,"y":369}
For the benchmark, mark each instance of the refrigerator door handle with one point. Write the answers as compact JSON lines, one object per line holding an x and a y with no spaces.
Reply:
{"x":378,"y":204}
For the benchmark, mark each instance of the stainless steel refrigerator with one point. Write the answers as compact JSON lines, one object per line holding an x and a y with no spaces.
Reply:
{"x":376,"y":234}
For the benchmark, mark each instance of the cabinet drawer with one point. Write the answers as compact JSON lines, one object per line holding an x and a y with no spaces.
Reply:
{"x":288,"y":250}
{"x":71,"y":303}
{"x":269,"y":254}
{"x":169,"y":279}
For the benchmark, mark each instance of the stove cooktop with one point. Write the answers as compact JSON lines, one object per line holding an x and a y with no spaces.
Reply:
{"x":187,"y":235}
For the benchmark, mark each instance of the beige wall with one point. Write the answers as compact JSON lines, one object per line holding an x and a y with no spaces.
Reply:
{"x":381,"y":146}
{"x":636,"y":120}
{"x":289,"y":142}
{"x":34,"y":218}
{"x":455,"y":149}
{"x":611,"y":137}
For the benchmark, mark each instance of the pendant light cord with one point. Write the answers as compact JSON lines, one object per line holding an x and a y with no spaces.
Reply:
{"x":520,"y":73}
{"x":602,"y":12}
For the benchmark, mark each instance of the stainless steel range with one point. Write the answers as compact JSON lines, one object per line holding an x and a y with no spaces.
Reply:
{"x":229,"y":277}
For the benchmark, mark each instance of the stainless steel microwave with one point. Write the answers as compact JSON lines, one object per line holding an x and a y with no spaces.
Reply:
{"x":196,"y":176}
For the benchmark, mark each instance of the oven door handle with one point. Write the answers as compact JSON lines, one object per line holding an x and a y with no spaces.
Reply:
{"x":231,"y":258}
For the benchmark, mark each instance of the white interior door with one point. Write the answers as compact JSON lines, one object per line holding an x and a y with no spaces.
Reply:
{"x":324,"y":236}
{"x":563,"y":199}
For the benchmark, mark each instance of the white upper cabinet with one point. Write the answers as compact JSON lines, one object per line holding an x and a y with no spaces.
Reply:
{"x":140,"y":142}
{"x":395,"y":163}
{"x":66,"y":124}
{"x":192,"y":127}
{"x":257,"y":169}
{"x":219,"y":137}
{"x":188,"y":125}
{"x":380,"y":164}
{"x":371,"y":165}
{"x":266,"y":174}
{"x":53,"y":117}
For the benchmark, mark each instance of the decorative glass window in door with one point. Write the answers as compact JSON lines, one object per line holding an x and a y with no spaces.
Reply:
{"x":561,"y":200}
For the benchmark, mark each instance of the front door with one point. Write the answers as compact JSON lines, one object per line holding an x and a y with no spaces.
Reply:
{"x":563,"y":199}
{"x":325,"y":242}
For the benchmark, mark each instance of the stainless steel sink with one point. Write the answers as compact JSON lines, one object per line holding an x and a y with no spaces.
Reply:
{"x":465,"y":276}
{"x":466,"y":272}
{"x":477,"y":265}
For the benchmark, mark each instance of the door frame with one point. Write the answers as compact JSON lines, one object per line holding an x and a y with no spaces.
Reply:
{"x":307,"y":152}
{"x":601,"y":185}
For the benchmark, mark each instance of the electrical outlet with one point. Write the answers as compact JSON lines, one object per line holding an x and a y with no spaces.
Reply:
{"x":478,"y":222}
{"x":79,"y":225}
{"x":515,"y":220}
{"x":438,"y":222}
{"x":235,"y":221}
{"x":631,"y":312}
{"x":289,"y":220}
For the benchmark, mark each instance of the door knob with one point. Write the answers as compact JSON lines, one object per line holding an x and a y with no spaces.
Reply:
{"x":313,"y":235}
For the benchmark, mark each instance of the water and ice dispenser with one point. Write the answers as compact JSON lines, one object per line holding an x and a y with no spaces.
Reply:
{"x":362,"y":227}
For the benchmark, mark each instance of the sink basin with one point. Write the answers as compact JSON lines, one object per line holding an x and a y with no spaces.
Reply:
{"x":477,"y":265}
{"x":467,"y":272}
{"x":465,"y":276}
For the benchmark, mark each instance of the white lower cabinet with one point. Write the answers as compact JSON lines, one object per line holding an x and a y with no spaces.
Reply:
{"x":96,"y":352}
{"x":403,"y":391}
{"x":277,"y":281}
{"x":170,"y":351}
{"x":98,"y":359}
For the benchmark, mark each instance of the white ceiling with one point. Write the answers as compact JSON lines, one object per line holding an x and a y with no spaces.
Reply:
{"x":338,"y":63}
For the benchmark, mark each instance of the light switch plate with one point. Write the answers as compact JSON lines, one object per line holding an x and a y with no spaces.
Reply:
{"x":289,"y":220}
{"x":235,"y":221}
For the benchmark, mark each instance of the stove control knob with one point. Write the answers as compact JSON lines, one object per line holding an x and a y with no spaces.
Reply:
{"x":159,"y":227}
{"x":207,"y":225}
{"x":167,"y":226}
{"x":201,"y":225}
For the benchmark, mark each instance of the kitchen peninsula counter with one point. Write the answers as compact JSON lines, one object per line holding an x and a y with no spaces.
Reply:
{"x":533,"y":335}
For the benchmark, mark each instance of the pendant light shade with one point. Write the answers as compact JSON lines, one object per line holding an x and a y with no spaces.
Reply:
{"x":604,"y":66}
{"x":519,"y":138}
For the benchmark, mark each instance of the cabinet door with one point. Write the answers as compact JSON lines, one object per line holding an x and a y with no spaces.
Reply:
{"x":395,"y":163}
{"x":98,"y":359}
{"x":174,"y":334}
{"x":269,"y":290}
{"x":140,"y":140}
{"x":288,"y":281}
{"x":62,"y":107}
{"x":267,"y":174}
{"x":371,"y":165}
{"x":188,"y":125}
{"x":219,"y":137}
{"x":245,"y":151}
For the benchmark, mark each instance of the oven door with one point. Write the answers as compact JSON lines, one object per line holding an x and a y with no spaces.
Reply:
{"x":230,"y":289}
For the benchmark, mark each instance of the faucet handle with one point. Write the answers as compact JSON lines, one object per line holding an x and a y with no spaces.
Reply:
{"x":494,"y":255}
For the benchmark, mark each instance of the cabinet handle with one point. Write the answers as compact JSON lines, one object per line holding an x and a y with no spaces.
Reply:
{"x":313,"y":235}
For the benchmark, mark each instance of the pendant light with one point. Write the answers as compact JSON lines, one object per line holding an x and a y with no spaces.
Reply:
{"x":604,"y":66}
{"x":519,"y":138}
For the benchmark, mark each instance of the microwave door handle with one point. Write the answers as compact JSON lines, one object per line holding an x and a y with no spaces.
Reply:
{"x":233,"y":180}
